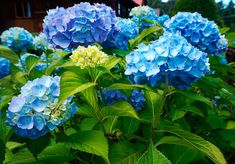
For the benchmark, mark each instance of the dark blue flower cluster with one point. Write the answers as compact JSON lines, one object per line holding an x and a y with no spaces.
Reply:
{"x":170,"y":59}
{"x":137,"y":99}
{"x":34,"y":112}
{"x":126,"y":30}
{"x":144,"y":16}
{"x":17,"y":38}
{"x":4,"y":67}
{"x":83,"y":24}
{"x":112,"y":96}
{"x":198,"y":31}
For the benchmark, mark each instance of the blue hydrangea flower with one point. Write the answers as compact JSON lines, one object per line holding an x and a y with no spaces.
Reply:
{"x":40,"y":42}
{"x":137,"y":99}
{"x":112,"y":96}
{"x":4,"y":67}
{"x":162,"y":19}
{"x":142,"y":15}
{"x":83,"y":24}
{"x":198,"y":31}
{"x":126,"y":30}
{"x":17,"y":38}
{"x":33,"y":112}
{"x":169,"y":59}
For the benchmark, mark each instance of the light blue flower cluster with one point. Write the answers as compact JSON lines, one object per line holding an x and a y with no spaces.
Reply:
{"x":83,"y":24}
{"x":198,"y":31}
{"x":112,"y":96}
{"x":144,"y":16}
{"x":162,"y":19}
{"x":137,"y":99}
{"x":40,"y":42}
{"x":34,"y":112}
{"x":4,"y":67}
{"x":170,"y":59}
{"x":126,"y":30}
{"x":17,"y":38}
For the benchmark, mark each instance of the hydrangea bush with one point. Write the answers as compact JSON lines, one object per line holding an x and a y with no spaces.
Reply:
{"x":94,"y":88}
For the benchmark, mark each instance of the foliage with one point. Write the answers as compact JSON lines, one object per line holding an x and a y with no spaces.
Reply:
{"x":82,"y":108}
{"x":207,"y":8}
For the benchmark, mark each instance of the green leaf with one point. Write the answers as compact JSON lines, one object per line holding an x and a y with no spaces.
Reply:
{"x":182,"y":155}
{"x":210,"y":150}
{"x":116,"y":52}
{"x":231,"y":38}
{"x":13,"y":145}
{"x":91,"y":97}
{"x":92,"y":141}
{"x":31,"y":62}
{"x":9,"y":54}
{"x":130,"y":125}
{"x":88,"y":124}
{"x":58,"y":153}
{"x":125,"y":153}
{"x":196,"y":97}
{"x":144,"y":33}
{"x":121,"y":86}
{"x":121,"y":108}
{"x":23,"y":156}
{"x":72,"y":83}
{"x":178,"y":114}
{"x":192,"y":109}
{"x":5,"y":131}
{"x":2,"y":151}
{"x":224,"y":30}
{"x":54,"y":65}
{"x":112,"y":62}
{"x":152,"y":155}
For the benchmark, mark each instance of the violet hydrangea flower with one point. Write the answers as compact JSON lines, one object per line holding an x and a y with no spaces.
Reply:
{"x":17,"y":38}
{"x":169,"y":59}
{"x":34,"y":112}
{"x":198,"y":31}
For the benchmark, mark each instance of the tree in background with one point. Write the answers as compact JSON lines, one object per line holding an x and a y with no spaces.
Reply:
{"x":228,"y":15}
{"x":207,"y":8}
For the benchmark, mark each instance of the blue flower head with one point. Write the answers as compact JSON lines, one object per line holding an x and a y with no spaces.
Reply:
{"x":126,"y":30}
{"x":4,"y":67}
{"x":162,"y":19}
{"x":142,"y":15}
{"x":137,"y":99}
{"x":81,"y":25}
{"x":17,"y":38}
{"x":170,"y":59}
{"x":33,"y":112}
{"x":40,"y":42}
{"x":112,"y":96}
{"x":198,"y":31}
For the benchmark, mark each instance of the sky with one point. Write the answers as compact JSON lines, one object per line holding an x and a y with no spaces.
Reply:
{"x":224,"y":1}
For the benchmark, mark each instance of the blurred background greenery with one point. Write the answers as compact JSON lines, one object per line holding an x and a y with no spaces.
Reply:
{"x":222,"y":14}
